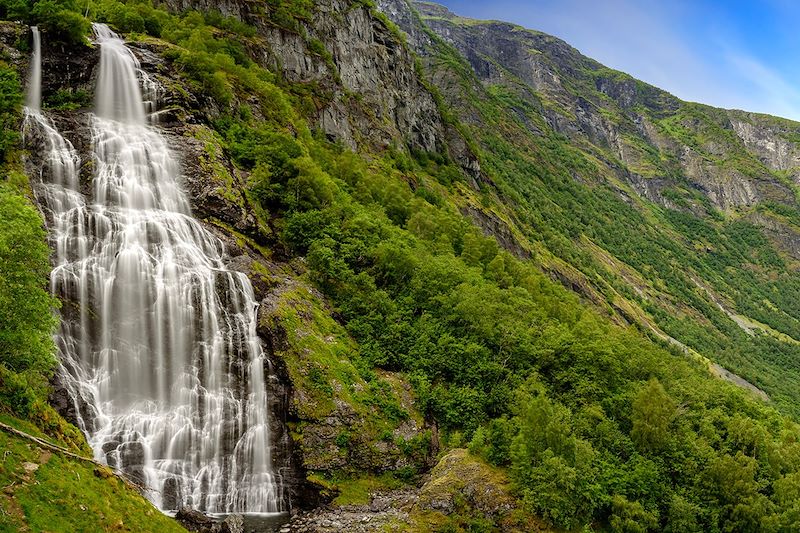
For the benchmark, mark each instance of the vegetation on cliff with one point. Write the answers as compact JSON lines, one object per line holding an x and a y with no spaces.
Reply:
{"x":596,"y":422}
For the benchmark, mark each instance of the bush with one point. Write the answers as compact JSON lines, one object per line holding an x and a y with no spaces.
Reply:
{"x":10,"y":102}
{"x":26,"y":308}
{"x":61,"y":20}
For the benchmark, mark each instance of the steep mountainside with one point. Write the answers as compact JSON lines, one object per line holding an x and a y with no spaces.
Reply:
{"x":497,"y":282}
{"x":682,"y":217}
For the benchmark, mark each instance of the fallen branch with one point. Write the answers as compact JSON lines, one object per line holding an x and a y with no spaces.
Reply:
{"x":63,"y":451}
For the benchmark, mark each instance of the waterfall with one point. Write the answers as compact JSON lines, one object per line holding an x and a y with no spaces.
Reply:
{"x":118,"y":96}
{"x":34,"y":97}
{"x":158,"y":337}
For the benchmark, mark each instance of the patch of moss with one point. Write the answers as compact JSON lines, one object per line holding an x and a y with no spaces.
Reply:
{"x":45,"y":491}
{"x":356,"y":490}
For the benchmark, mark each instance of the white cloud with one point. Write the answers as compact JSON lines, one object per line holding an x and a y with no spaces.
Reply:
{"x":773,"y":94}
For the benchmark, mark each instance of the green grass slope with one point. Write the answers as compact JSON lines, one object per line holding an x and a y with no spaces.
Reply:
{"x":44,"y":490}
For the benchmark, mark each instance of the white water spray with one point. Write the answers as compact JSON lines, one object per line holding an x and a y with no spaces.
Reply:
{"x":34,"y":97}
{"x":158,"y":337}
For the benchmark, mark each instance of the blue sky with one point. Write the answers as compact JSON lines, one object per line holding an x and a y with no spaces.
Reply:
{"x":735,"y":54}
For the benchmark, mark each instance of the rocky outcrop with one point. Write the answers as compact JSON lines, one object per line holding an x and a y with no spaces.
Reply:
{"x":200,"y":523}
{"x":786,"y":236}
{"x":461,"y":478}
{"x":372,"y":95}
{"x":769,"y":140}
{"x":459,"y":487}
{"x":608,"y":112}
{"x":493,"y":226}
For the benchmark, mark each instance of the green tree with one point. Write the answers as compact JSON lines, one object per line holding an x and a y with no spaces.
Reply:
{"x":61,"y":20}
{"x":26,"y":308}
{"x":682,"y":516}
{"x":653,"y":411}
{"x":10,"y":102}
{"x":551,"y":467}
{"x":631,"y":517}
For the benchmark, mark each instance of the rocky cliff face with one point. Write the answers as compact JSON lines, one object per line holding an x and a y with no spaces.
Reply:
{"x":615,"y":116}
{"x":373,"y":99}
{"x":369,"y":92}
{"x":770,"y":139}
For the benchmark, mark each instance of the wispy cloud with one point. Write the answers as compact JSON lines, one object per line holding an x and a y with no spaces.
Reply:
{"x":773,"y":93}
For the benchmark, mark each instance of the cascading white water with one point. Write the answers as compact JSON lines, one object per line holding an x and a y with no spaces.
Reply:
{"x":158,"y":337}
{"x":34,"y":97}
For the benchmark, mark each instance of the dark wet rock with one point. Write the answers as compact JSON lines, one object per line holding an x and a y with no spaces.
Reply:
{"x":194,"y":520}
{"x":493,"y":226}
{"x":131,"y":454}
{"x":110,"y":446}
{"x":170,"y":495}
{"x":198,"y":522}
{"x":62,"y":400}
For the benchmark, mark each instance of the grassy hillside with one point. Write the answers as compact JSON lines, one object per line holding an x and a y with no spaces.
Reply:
{"x":46,"y":490}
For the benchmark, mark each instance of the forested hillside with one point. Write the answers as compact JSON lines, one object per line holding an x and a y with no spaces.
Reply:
{"x":461,"y":235}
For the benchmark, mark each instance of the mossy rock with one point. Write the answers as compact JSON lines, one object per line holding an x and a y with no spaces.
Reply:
{"x":463,"y":488}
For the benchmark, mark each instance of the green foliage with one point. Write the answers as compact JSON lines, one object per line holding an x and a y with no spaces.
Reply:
{"x":290,"y":14}
{"x":598,"y":436}
{"x":653,"y":411}
{"x":654,"y":430}
{"x":60,"y":20}
{"x":630,"y":517}
{"x":553,"y":468}
{"x":137,"y":17}
{"x":358,"y":490}
{"x":26,"y":318}
{"x":27,"y":321}
{"x":68,"y":100}
{"x":10,"y":103}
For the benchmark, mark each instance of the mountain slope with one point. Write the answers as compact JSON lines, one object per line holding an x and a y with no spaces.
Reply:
{"x":681,"y":216}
